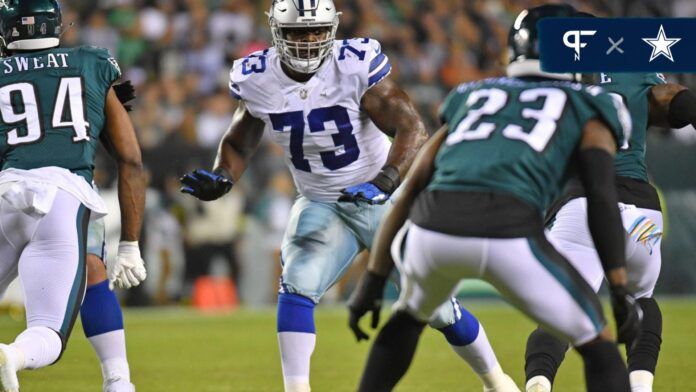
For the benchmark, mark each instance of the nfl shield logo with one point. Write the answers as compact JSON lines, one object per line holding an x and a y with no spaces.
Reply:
{"x":28,"y":20}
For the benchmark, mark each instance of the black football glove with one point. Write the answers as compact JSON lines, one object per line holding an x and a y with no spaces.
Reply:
{"x":205,"y":185}
{"x":627,"y":313}
{"x":367,"y":297}
{"x":125,"y":93}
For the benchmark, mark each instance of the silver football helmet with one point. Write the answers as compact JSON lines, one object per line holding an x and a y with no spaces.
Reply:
{"x":285,"y":15}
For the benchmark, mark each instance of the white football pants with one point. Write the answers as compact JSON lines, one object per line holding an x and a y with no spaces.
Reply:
{"x":570,"y":234}
{"x":48,"y":252}
{"x":528,"y":272}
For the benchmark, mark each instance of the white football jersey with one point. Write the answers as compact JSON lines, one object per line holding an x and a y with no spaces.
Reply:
{"x":329,"y":142}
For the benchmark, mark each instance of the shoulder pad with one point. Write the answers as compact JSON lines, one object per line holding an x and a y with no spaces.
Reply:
{"x":362,"y":56}
{"x":245,"y":72}
{"x":106,"y":64}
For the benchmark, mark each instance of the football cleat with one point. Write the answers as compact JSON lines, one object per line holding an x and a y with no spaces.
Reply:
{"x":506,"y":385}
{"x":538,"y":384}
{"x":118,"y":384}
{"x":8,"y":372}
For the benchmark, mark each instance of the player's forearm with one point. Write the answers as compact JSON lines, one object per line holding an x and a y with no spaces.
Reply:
{"x":381,"y":261}
{"x":131,"y":198}
{"x":231,"y":160}
{"x":408,"y":140}
{"x":682,"y":109}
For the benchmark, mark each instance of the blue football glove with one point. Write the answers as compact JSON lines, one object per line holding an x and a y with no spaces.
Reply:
{"x":376,"y":191}
{"x":366,"y":192}
{"x":205,"y":185}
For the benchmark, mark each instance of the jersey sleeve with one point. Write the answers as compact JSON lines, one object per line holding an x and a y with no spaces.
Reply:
{"x":653,"y":79}
{"x":104,"y":64}
{"x":611,"y":109}
{"x":249,"y":82}
{"x":363,"y":60}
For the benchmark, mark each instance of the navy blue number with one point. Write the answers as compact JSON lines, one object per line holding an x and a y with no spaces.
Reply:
{"x":344,"y":137}
{"x":294,"y":120}
{"x":346,"y":46}
{"x":317,"y":118}
{"x":258,"y":65}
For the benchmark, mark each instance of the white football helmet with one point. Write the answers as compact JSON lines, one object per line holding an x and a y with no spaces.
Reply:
{"x":304,"y":57}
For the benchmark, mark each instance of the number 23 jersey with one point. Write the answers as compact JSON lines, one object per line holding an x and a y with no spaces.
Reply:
{"x":329,"y":142}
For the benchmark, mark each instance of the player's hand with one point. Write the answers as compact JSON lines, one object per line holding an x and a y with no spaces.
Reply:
{"x":125,"y":93}
{"x":366,"y":192}
{"x":205,"y":185}
{"x":367,"y":297}
{"x":627,"y":313}
{"x":377,"y":191}
{"x":127,"y":269}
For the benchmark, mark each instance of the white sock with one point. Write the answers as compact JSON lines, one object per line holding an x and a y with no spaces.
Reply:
{"x":36,"y":347}
{"x":295,"y":354}
{"x":541,"y":380}
{"x":111,"y":350}
{"x":641,"y":381}
{"x":480,"y":356}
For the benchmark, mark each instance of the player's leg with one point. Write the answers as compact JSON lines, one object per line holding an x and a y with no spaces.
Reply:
{"x":464,"y":333}
{"x":316,"y":251}
{"x":425,"y":285}
{"x":52,"y":269}
{"x":643,"y":265}
{"x":570,"y":236}
{"x":15,"y":230}
{"x":467,"y":338}
{"x":102,"y":319}
{"x":562,"y":302}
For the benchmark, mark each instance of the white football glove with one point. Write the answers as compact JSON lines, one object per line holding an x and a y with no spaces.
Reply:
{"x":127,"y":269}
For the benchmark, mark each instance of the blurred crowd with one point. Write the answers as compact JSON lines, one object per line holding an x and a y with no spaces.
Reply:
{"x":178,"y":54}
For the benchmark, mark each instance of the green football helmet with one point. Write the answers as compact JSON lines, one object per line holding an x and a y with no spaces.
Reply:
{"x":30,"y":24}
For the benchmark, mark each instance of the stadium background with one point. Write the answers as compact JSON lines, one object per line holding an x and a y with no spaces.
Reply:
{"x":178,"y":54}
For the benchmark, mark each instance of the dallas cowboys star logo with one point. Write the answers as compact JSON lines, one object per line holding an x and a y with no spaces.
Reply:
{"x":661,"y":45}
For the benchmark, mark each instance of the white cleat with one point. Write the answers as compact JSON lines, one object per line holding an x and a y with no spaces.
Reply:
{"x":118,"y":384}
{"x":538,"y":384}
{"x":8,"y":372}
{"x":506,"y":385}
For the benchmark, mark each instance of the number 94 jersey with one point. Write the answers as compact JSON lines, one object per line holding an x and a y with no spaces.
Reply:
{"x":329,"y":142}
{"x":52,"y":107}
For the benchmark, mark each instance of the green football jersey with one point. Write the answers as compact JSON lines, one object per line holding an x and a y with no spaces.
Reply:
{"x":517,"y":136}
{"x":633,"y":90}
{"x":52,"y":107}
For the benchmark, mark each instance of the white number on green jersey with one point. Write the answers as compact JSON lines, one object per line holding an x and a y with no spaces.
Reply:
{"x":537,"y":138}
{"x":24,"y":94}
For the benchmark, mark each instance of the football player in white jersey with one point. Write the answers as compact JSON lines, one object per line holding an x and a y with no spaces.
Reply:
{"x":331,"y":106}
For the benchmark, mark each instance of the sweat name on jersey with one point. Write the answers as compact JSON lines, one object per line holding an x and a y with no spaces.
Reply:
{"x":329,"y":142}
{"x":23,"y":64}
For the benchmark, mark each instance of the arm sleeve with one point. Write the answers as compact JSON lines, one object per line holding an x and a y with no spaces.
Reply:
{"x":603,"y":216}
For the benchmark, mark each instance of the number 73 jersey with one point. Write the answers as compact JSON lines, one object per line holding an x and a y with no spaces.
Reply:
{"x":329,"y":142}
{"x":52,"y":107}
{"x":519,"y":136}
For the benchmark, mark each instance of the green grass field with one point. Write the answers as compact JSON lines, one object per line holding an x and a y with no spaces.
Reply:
{"x":182,"y":350}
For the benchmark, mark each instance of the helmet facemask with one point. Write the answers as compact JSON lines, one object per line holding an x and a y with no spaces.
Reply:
{"x":303,"y":56}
